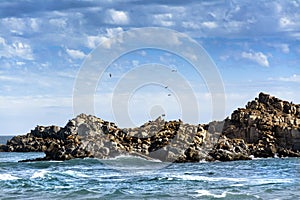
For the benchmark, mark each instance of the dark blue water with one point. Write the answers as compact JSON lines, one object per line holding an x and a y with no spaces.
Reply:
{"x":135,"y":178}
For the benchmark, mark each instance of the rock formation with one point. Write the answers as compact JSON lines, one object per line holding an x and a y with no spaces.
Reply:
{"x":267,"y":127}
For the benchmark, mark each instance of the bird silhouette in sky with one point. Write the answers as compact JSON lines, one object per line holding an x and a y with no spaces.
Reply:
{"x":110,"y":75}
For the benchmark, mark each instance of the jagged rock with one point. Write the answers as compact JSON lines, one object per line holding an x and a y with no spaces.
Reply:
{"x":230,"y":149}
{"x":266,"y":127}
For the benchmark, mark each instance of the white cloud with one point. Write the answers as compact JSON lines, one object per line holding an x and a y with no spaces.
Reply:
{"x":234,"y":26}
{"x":21,"y":25}
{"x":257,"y":57}
{"x":22,"y":50}
{"x":58,"y":22}
{"x":93,"y":41}
{"x":163,"y":19}
{"x":2,"y":41}
{"x":20,"y":63}
{"x":19,"y":49}
{"x":190,"y":24}
{"x":282,"y":47}
{"x":285,"y":48}
{"x":111,"y":32}
{"x":34,"y":24}
{"x":209,"y":24}
{"x":294,"y":78}
{"x":285,"y":22}
{"x":142,"y":53}
{"x":10,"y":78}
{"x":135,"y":63}
{"x":76,"y":54}
{"x":117,"y":17}
{"x":15,"y":25}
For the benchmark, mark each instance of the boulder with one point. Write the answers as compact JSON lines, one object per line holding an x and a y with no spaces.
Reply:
{"x":266,"y":127}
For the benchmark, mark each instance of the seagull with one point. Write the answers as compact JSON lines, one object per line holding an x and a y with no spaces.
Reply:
{"x":174,"y":70}
{"x":166,"y":87}
{"x":169,"y":94}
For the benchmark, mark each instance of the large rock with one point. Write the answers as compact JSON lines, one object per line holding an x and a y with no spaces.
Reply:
{"x":266,"y":127}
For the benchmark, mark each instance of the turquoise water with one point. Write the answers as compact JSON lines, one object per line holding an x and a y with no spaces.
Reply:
{"x":135,"y":178}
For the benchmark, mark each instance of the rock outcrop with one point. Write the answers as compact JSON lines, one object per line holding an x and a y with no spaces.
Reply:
{"x":267,"y":127}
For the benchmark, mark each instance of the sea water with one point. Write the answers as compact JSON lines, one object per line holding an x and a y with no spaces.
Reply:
{"x":128,"y":177}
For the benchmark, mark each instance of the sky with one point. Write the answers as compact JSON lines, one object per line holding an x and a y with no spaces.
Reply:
{"x":255,"y":46}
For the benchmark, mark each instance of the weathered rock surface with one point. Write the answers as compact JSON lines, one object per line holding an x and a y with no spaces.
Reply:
{"x":267,"y":127}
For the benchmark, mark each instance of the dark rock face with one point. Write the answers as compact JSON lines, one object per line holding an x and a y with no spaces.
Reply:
{"x":89,"y":136}
{"x":267,"y":127}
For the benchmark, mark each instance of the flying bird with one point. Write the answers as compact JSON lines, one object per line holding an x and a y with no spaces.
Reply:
{"x":110,"y":75}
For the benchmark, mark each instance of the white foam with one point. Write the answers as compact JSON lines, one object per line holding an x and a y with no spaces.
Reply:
{"x":39,"y":174}
{"x":134,"y":157}
{"x":61,"y":187}
{"x":270,"y":181}
{"x":208,"y":193}
{"x":76,"y":174}
{"x":7,"y":177}
{"x":205,"y":178}
{"x":237,"y":185}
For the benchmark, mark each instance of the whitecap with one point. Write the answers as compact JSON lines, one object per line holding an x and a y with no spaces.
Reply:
{"x":61,"y":187}
{"x":237,"y":185}
{"x":208,"y":193}
{"x":270,"y":181}
{"x":7,"y":177}
{"x":205,"y":178}
{"x":133,"y":158}
{"x":76,"y":174}
{"x":39,"y":174}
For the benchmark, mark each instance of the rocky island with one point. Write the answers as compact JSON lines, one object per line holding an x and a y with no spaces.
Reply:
{"x":266,"y":127}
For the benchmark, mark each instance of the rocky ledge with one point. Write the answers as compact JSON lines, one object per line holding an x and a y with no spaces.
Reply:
{"x":266,"y":127}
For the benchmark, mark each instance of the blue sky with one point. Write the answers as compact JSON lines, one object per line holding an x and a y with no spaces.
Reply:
{"x":254,"y":44}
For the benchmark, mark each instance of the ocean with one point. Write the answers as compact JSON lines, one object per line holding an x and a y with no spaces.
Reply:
{"x":129,"y":177}
{"x":3,"y":139}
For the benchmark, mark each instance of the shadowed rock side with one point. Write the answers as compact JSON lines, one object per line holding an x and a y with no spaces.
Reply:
{"x":89,"y":136}
{"x":267,"y":127}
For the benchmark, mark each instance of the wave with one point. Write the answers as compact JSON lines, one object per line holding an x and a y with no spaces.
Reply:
{"x":225,"y":194}
{"x":8,"y":177}
{"x":260,"y":181}
{"x":205,"y":178}
{"x":208,"y":193}
{"x":76,"y":174}
{"x":39,"y":174}
{"x":133,"y":163}
{"x":132,"y":158}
